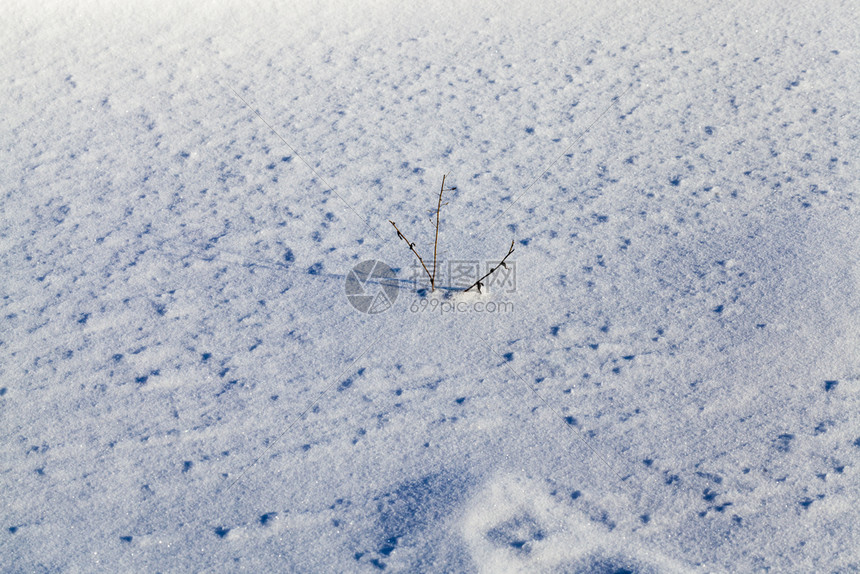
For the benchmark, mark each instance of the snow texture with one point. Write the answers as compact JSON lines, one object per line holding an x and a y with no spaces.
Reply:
{"x":672,"y":383}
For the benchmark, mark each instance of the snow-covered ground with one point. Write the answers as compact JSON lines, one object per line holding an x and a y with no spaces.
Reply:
{"x":665,"y":381}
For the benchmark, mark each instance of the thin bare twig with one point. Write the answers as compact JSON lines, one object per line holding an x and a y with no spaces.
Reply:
{"x":412,"y":247}
{"x":479,"y":282}
{"x":436,"y":242}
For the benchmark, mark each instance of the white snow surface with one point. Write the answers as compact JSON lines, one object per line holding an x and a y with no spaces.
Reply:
{"x":671,"y":384}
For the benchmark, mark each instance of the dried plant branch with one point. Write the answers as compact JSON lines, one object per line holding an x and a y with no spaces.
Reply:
{"x":479,"y":282}
{"x":436,"y":242}
{"x":412,"y":247}
{"x":432,"y":276}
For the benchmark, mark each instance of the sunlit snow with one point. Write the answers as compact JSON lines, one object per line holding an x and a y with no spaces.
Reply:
{"x":200,"y":372}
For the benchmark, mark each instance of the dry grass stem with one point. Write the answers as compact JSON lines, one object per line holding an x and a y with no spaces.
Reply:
{"x":479,"y":282}
{"x":411,"y":245}
{"x":436,"y":242}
